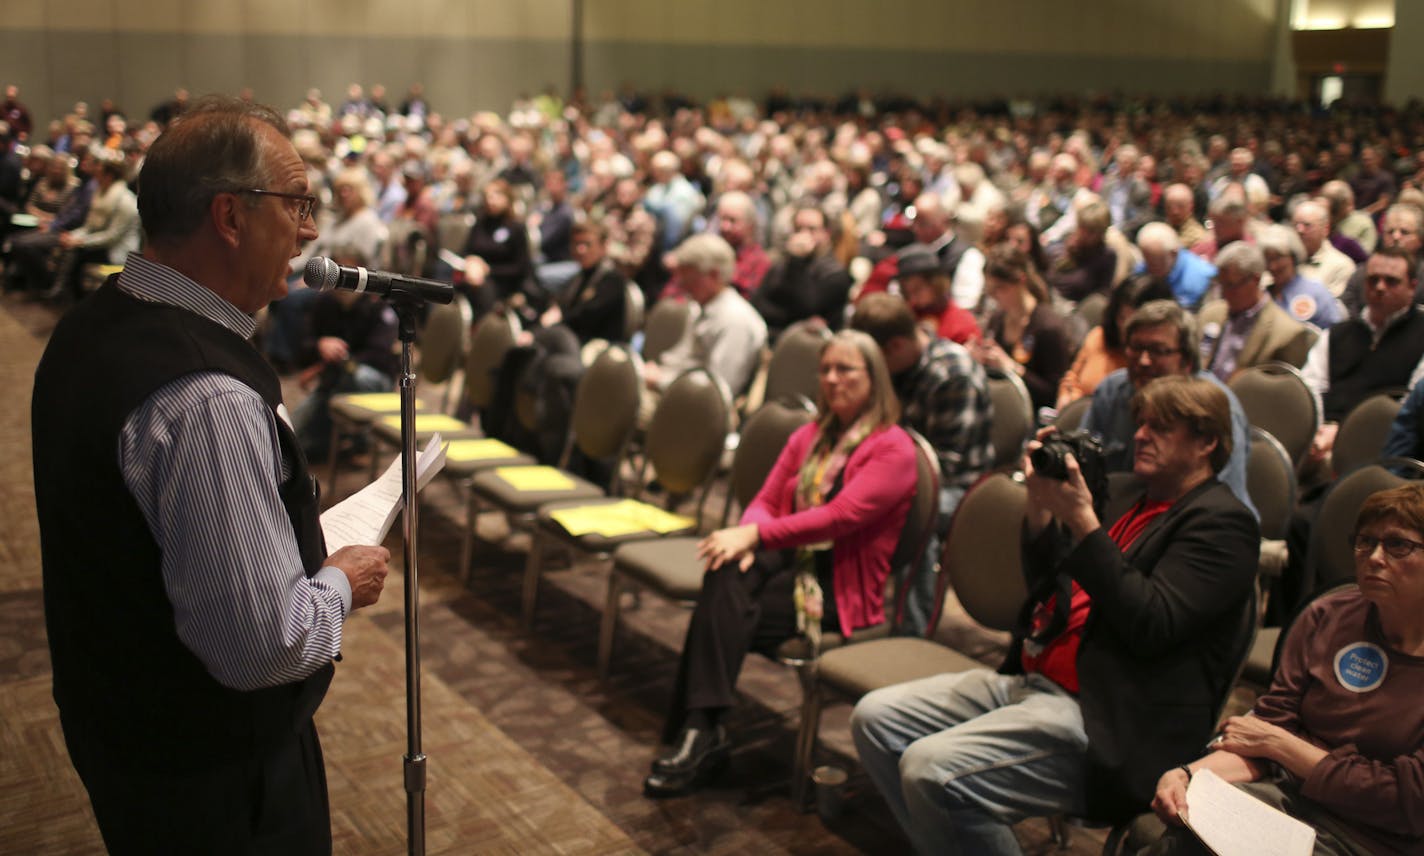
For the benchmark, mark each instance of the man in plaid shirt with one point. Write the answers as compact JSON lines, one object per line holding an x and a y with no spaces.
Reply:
{"x":944,"y":395}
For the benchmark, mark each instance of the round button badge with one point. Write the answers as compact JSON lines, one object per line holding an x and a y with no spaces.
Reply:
{"x":1361,"y":666}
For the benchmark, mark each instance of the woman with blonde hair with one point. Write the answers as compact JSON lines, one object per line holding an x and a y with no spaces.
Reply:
{"x":813,"y":551}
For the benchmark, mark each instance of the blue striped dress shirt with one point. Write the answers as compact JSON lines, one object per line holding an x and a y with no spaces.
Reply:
{"x":202,"y":459}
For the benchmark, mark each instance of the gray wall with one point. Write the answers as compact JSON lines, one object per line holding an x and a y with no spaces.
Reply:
{"x":479,"y":54}
{"x":1404,"y":78}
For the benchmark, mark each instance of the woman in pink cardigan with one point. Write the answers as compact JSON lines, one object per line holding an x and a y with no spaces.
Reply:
{"x":827,"y":519}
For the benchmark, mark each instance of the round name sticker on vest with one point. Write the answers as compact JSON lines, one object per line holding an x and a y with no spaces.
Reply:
{"x":501,"y":235}
{"x":1303,"y":307}
{"x":1211,"y":330}
{"x":1361,"y":667}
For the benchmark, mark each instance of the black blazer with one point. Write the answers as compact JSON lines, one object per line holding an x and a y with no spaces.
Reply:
{"x":1163,"y":638}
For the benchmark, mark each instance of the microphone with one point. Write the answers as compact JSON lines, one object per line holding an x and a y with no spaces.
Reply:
{"x":325,"y":274}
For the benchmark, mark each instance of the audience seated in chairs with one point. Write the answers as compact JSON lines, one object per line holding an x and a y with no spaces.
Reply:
{"x":353,"y":224}
{"x":726,"y":334}
{"x":1026,"y":335}
{"x":1245,"y":327}
{"x":813,"y":550}
{"x":1338,"y":739}
{"x":1161,"y":340}
{"x":349,"y":346}
{"x":1375,"y":352}
{"x":944,"y":396}
{"x":1304,"y":299}
{"x":926,"y":287}
{"x":110,"y":230}
{"x":1104,"y":348}
{"x":498,"y":266}
{"x":806,"y":281}
{"x":1129,"y":641}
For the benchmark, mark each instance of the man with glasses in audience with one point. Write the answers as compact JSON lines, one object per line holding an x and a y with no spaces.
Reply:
{"x":1162,"y":340}
{"x":192,"y":611}
{"x":1401,"y":228}
{"x":1376,"y":352}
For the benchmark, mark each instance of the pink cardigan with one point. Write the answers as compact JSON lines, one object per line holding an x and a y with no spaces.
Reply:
{"x":863,"y":520}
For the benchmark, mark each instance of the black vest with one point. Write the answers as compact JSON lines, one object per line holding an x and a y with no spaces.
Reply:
{"x":130,"y":693}
{"x":1358,"y":369}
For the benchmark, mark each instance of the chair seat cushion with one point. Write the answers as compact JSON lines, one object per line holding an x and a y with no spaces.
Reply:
{"x":1258,"y":663}
{"x":797,"y":649}
{"x":489,"y":485}
{"x":386,"y":428}
{"x":363,"y":407}
{"x":460,"y":469}
{"x":855,"y":670}
{"x":668,"y":566}
{"x":595,"y":542}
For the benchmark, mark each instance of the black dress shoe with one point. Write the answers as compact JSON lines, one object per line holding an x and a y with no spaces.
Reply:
{"x":700,"y":756}
{"x":691,"y":746}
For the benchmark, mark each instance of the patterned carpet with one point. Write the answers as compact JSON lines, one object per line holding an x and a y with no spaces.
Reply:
{"x":529,"y":751}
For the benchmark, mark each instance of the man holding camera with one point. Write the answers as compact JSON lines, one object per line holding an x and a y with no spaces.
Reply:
{"x":1125,"y":649}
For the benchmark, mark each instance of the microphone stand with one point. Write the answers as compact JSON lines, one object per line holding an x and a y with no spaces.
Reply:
{"x":407,"y":304}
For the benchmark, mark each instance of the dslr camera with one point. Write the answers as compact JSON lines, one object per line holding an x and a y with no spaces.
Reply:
{"x":1051,"y":461}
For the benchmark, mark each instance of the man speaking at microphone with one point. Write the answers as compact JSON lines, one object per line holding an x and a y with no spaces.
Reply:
{"x":192,"y":613}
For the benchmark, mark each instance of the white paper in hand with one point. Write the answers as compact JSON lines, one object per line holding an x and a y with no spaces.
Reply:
{"x":1233,"y":823}
{"x":366,"y":516}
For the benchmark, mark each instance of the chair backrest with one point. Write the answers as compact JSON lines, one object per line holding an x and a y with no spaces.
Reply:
{"x":492,"y":339}
{"x":794,"y":362}
{"x":665,"y":324}
{"x":1363,"y":433}
{"x":1330,"y":560}
{"x":1092,"y":308}
{"x":981,"y":561}
{"x":1276,"y":398}
{"x":632,"y":310}
{"x":1013,"y":416}
{"x":606,"y":403}
{"x":688,"y":431}
{"x":452,"y":230}
{"x":1071,"y":416}
{"x":763,"y":436}
{"x":406,"y":247}
{"x":919,"y":524}
{"x":441,"y":341}
{"x":1270,"y":482}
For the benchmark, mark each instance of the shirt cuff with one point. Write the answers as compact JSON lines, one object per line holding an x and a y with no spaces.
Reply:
{"x":336,"y":578}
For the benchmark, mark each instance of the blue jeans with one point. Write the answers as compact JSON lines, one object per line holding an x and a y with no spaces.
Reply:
{"x":311,"y":419}
{"x":962,"y":757}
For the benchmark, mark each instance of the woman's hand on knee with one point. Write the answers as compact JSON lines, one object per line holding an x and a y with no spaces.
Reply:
{"x":734,"y":544}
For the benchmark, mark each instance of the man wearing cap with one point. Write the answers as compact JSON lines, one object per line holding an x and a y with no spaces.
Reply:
{"x":926,"y":288}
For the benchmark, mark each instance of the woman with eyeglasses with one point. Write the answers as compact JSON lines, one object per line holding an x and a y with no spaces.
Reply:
{"x":1338,"y":740}
{"x":812,"y":553}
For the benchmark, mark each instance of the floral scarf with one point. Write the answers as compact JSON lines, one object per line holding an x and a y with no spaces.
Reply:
{"x":819,"y":474}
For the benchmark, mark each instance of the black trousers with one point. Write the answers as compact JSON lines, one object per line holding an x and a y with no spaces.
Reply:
{"x":737,"y":613}
{"x":273,"y":804}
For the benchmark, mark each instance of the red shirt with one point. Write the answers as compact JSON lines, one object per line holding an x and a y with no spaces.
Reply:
{"x":955,"y":324}
{"x":1058,"y":659}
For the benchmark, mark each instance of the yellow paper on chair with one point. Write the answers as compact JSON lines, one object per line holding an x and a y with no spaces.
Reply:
{"x":534,"y":478}
{"x":430,"y":422}
{"x":619,"y":518}
{"x":479,"y":450}
{"x":381,"y":402}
